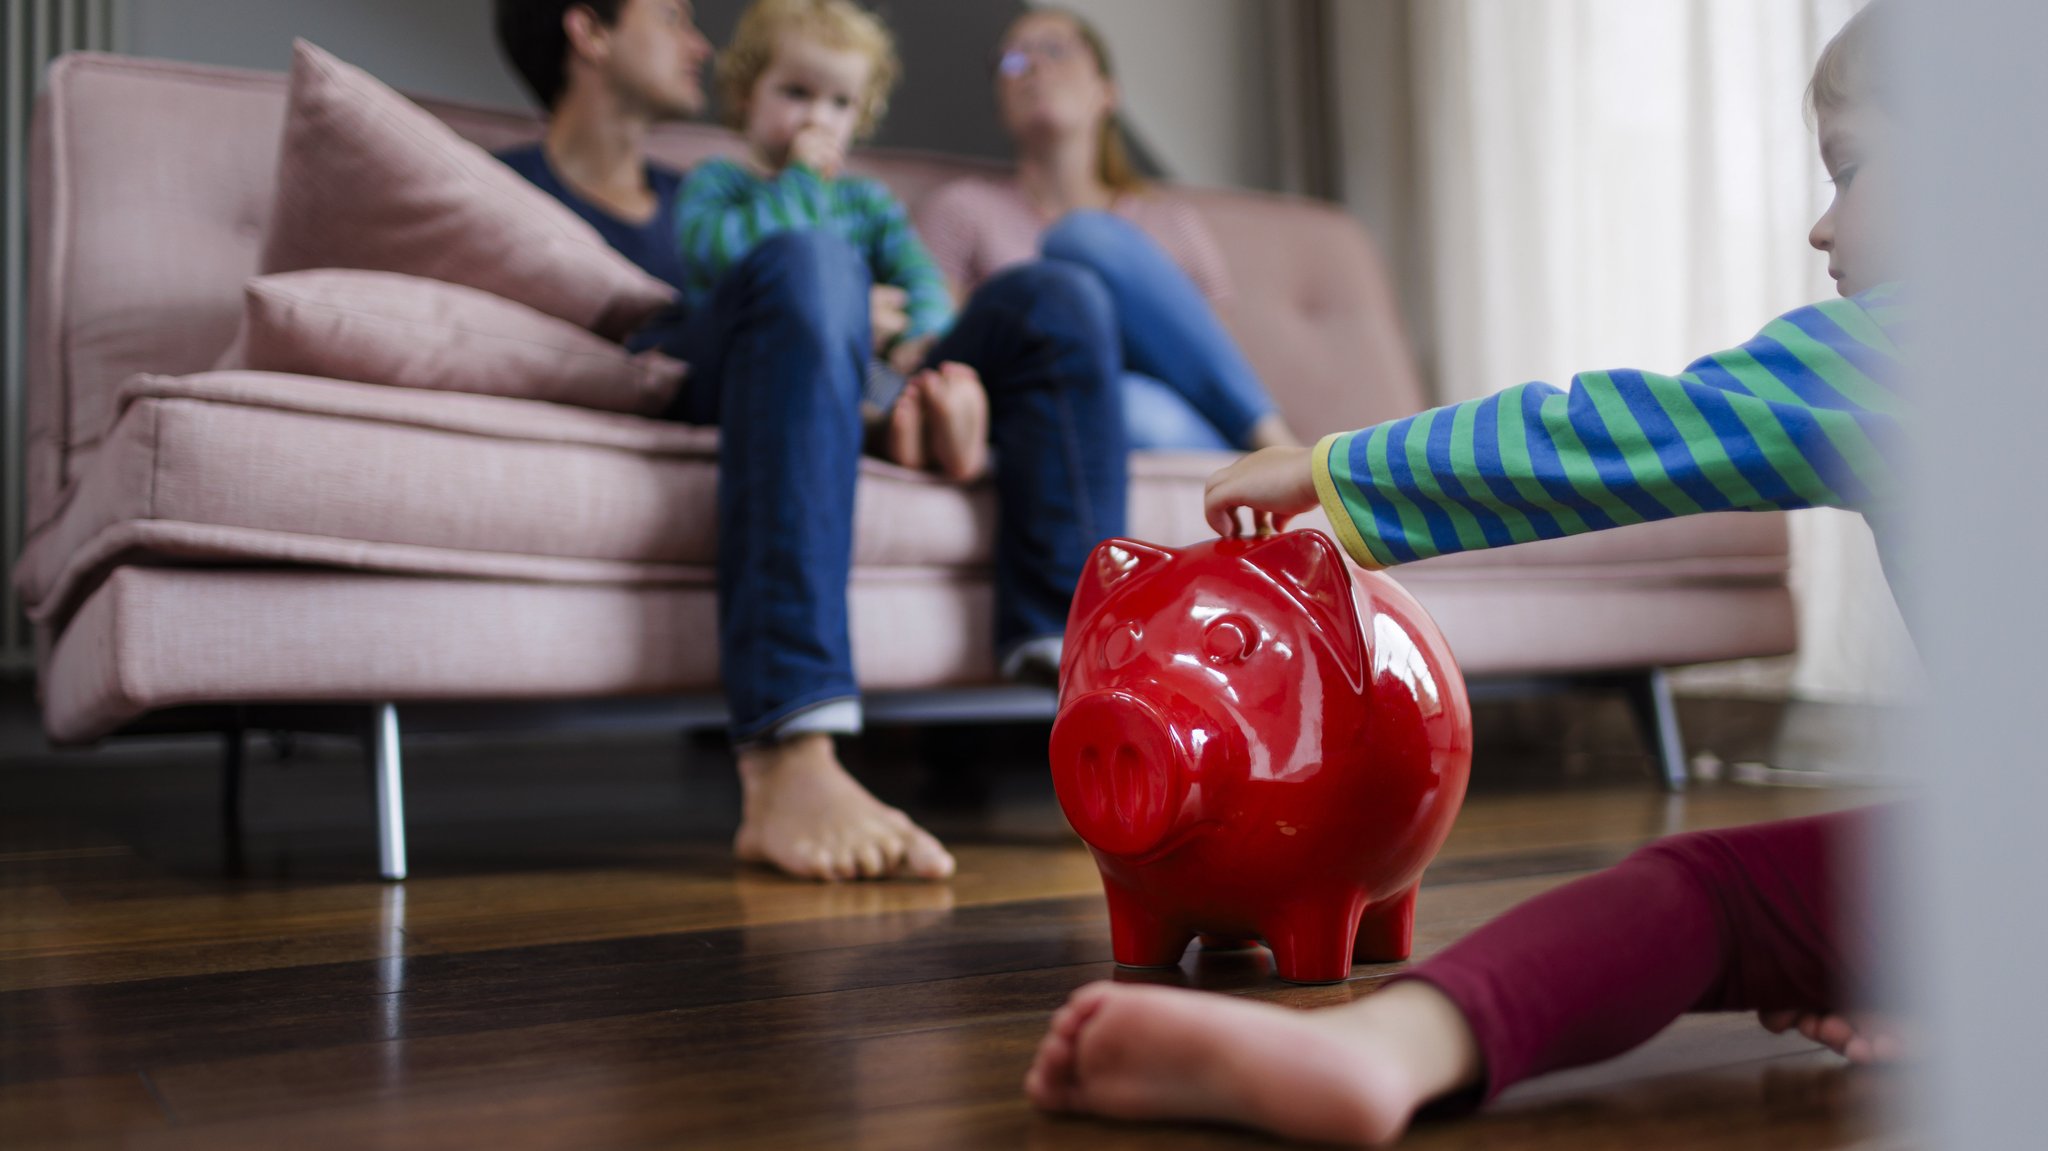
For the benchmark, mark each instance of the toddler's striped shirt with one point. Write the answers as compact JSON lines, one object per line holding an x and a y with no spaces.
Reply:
{"x":1804,"y":414}
{"x":725,"y":209}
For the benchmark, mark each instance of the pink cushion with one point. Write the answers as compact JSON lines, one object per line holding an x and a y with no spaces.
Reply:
{"x":368,"y":179}
{"x":406,"y":332}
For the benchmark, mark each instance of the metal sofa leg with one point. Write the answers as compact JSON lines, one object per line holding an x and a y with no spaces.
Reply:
{"x":1649,"y":696}
{"x":384,"y":766}
{"x":233,"y":743}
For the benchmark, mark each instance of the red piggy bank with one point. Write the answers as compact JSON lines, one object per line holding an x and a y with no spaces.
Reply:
{"x":1259,"y":742}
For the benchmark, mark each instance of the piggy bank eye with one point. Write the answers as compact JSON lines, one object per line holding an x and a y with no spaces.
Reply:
{"x":1230,"y":639}
{"x":1123,"y":645}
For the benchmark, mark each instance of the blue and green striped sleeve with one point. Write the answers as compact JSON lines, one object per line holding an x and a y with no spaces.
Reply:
{"x":724,"y":210}
{"x":897,"y":256}
{"x":1803,"y":415}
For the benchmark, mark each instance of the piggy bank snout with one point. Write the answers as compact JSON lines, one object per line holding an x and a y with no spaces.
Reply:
{"x":1121,"y":775}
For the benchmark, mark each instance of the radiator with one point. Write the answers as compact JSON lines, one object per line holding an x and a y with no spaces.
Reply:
{"x":33,"y":33}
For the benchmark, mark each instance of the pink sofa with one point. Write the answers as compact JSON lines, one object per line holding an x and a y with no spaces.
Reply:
{"x":201,"y":539}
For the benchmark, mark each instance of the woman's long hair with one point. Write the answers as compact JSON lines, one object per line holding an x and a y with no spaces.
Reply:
{"x":1112,"y":158}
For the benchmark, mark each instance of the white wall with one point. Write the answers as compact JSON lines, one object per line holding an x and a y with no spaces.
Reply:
{"x":1377,"y":151}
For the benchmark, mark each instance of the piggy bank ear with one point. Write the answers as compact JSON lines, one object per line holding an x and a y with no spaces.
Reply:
{"x":1310,"y":569}
{"x":1113,"y":567}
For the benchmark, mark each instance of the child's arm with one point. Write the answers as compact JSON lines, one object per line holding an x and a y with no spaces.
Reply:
{"x":1802,"y":415}
{"x":948,"y":221}
{"x":724,"y":210}
{"x":900,"y":258}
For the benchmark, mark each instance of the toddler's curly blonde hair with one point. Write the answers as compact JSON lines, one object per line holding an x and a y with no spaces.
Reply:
{"x":838,"y":24}
{"x":1850,"y":69}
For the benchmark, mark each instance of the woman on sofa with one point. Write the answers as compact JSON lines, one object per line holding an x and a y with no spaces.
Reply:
{"x":1075,"y":198}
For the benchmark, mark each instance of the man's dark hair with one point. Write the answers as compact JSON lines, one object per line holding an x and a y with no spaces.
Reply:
{"x":530,"y":34}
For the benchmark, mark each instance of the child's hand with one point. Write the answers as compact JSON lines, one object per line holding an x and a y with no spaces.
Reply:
{"x":818,"y":150}
{"x":888,"y":316}
{"x":909,"y":355}
{"x":1275,"y":485}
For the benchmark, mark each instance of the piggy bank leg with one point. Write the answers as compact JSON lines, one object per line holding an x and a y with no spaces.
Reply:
{"x":1386,"y":932}
{"x":1138,"y":937}
{"x":1311,"y":940}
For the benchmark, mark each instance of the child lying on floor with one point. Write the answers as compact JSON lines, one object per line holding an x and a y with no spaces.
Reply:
{"x":1757,"y":918}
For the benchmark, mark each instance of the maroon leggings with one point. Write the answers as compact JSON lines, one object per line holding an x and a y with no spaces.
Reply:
{"x":1749,"y":919}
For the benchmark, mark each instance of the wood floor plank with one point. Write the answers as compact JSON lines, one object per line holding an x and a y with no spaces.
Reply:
{"x":649,"y":994}
{"x":149,"y":1023}
{"x":249,"y":927}
{"x":86,"y":1107}
{"x":874,"y":1065}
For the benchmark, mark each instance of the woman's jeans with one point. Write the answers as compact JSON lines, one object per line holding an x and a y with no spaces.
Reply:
{"x":1186,"y":384}
{"x":777,"y":358}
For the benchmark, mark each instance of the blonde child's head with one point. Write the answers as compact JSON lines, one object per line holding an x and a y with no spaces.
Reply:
{"x":797,"y":65}
{"x":1848,"y":72}
{"x":1850,"y":99}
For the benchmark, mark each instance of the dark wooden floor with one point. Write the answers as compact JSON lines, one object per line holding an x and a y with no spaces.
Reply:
{"x":576,"y":964}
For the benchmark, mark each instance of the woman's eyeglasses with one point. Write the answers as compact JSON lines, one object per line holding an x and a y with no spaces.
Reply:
{"x":1016,"y":59}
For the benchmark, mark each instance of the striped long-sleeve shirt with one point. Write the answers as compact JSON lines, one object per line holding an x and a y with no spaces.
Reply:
{"x":1804,"y":414}
{"x":725,"y":209}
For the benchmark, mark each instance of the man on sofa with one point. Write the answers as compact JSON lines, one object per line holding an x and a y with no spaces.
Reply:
{"x":776,"y":361}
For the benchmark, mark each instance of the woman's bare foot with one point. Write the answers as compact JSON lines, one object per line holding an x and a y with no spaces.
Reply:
{"x":1351,"y":1074}
{"x":955,"y":419}
{"x":1271,"y":432}
{"x":803,"y":813}
{"x":903,"y":428}
{"x":1865,"y":1040}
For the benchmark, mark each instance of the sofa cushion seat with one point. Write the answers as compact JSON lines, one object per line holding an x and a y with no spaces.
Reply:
{"x":243,"y":468}
{"x":150,"y":638}
{"x":256,"y":467}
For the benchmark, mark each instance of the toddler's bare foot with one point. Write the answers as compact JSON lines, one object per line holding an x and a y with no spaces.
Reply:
{"x":956,"y":420}
{"x":1352,"y":1074}
{"x":804,"y":814}
{"x":1864,"y":1040}
{"x":903,"y":432}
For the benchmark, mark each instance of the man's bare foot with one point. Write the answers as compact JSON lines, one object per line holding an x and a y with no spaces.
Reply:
{"x":903,"y":428}
{"x":955,"y":419}
{"x":803,"y":813}
{"x":1864,"y":1040}
{"x":1271,"y":432}
{"x":1351,"y":1074}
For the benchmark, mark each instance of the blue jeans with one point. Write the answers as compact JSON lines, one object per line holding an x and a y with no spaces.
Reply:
{"x":777,"y":358}
{"x":1186,"y":385}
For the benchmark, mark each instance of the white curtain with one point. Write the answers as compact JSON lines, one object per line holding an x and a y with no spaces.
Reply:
{"x":1629,"y":183}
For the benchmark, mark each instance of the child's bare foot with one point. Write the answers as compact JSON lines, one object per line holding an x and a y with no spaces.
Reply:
{"x":1864,"y":1040}
{"x":804,"y":814}
{"x":1352,"y":1074}
{"x":956,"y":420}
{"x":903,"y":431}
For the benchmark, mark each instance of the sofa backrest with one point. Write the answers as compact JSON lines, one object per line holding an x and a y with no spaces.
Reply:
{"x":150,"y":187}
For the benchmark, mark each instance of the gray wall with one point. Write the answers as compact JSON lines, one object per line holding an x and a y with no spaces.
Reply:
{"x":1197,"y":84}
{"x":444,"y":48}
{"x":946,"y":101}
{"x":1195,"y":72}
